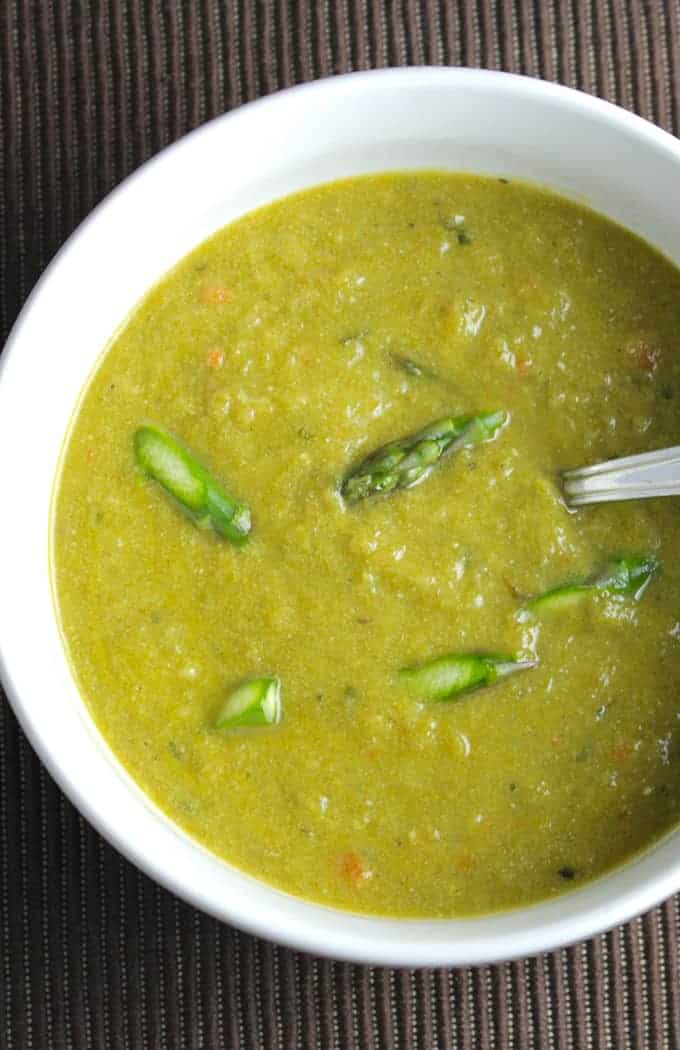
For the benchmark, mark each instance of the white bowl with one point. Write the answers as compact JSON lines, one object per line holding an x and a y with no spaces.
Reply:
{"x":393,"y":119}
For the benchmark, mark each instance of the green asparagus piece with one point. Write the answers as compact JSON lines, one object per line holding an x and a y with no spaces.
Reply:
{"x":404,"y":463}
{"x":255,"y":702}
{"x":628,"y":576}
{"x":200,"y":494}
{"x":456,"y":673}
{"x":558,"y":599}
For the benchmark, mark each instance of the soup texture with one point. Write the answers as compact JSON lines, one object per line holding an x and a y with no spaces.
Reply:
{"x":284,"y":351}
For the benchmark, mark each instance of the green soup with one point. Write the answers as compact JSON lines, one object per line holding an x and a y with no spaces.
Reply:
{"x":282,"y":352}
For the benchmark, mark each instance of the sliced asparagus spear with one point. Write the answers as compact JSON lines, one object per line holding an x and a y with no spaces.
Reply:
{"x":405,"y":462}
{"x":557,"y":599}
{"x":456,"y":673}
{"x":255,"y":702}
{"x":628,"y":576}
{"x":196,"y":490}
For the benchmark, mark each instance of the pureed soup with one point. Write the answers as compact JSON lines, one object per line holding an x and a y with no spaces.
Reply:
{"x":401,"y":680}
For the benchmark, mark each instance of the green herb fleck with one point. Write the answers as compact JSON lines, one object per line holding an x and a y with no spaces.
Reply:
{"x":349,"y":339}
{"x":186,"y":805}
{"x":456,"y":224}
{"x":412,"y":367}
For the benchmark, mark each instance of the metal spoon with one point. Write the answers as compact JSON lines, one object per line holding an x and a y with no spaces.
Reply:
{"x":632,"y":477}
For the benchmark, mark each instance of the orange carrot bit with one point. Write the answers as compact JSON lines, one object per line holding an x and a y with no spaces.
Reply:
{"x":215,"y":357}
{"x":649,"y":357}
{"x":532,"y":289}
{"x":645,"y":356}
{"x":527,"y":285}
{"x":622,"y":751}
{"x":216,"y":294}
{"x":352,"y":867}
{"x":523,"y":366}
{"x":465,"y":862}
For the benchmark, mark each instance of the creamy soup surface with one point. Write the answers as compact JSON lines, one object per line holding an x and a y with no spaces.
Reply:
{"x":282,"y":352}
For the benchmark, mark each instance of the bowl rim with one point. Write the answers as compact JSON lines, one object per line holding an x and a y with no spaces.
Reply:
{"x":394,"y":952}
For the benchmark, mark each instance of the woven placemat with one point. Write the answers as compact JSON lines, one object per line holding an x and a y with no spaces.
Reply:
{"x":93,"y":954}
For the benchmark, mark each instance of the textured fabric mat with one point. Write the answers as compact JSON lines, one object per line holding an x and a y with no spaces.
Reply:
{"x":93,"y":954}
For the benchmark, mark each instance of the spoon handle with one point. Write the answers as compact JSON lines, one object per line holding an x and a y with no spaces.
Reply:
{"x":632,"y":477}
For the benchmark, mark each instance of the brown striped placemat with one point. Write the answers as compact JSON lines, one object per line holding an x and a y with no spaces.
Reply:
{"x":93,"y":954}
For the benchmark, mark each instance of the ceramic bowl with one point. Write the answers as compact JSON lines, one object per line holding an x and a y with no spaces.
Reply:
{"x":395,"y":119}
